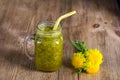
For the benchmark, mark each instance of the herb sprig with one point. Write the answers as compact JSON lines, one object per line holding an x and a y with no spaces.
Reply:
{"x":80,"y":46}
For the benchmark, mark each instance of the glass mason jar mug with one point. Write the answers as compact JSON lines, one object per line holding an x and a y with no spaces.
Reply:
{"x":48,"y":47}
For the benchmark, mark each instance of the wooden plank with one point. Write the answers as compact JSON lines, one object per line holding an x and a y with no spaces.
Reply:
{"x":66,"y":73}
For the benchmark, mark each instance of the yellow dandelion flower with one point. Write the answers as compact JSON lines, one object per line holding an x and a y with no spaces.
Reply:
{"x":78,"y":60}
{"x":94,"y":56}
{"x":92,"y":68}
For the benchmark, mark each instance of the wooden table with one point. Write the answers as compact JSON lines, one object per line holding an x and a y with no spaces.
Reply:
{"x":19,"y":18}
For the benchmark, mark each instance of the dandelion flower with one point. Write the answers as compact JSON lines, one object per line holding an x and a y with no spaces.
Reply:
{"x":94,"y":56}
{"x":92,"y":68}
{"x":78,"y":60}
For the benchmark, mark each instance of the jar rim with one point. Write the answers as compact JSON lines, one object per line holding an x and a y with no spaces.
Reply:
{"x":48,"y":23}
{"x":48,"y":33}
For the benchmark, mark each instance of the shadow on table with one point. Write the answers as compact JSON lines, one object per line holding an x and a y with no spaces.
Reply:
{"x":110,"y":6}
{"x":19,"y":59}
{"x":67,"y":63}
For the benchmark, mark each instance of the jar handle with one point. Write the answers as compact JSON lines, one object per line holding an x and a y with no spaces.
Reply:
{"x":29,"y":46}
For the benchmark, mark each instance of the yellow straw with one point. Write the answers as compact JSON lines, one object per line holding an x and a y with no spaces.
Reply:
{"x":61,"y":18}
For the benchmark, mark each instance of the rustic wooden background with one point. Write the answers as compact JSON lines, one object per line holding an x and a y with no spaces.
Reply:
{"x":19,"y":18}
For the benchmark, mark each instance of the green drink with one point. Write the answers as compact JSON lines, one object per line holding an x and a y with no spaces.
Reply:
{"x":48,"y":47}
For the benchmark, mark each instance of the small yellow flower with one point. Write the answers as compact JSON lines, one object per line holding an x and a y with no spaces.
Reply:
{"x":94,"y":56}
{"x":92,"y":68}
{"x":78,"y":60}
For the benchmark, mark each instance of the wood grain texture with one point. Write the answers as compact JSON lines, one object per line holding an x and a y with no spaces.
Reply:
{"x":18,"y":18}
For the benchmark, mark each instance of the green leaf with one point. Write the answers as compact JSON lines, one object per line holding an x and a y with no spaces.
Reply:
{"x":78,"y":71}
{"x":76,"y":45}
{"x":80,"y":46}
